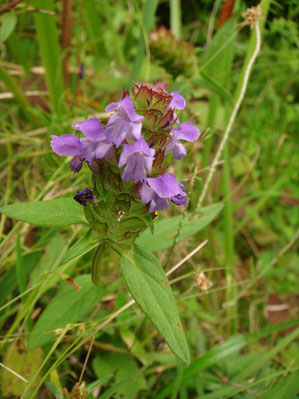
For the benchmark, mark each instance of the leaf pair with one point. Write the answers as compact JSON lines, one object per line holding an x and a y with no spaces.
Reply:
{"x":142,"y":272}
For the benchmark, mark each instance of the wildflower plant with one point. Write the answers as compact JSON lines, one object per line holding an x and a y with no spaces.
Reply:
{"x":129,"y":158}
{"x":130,"y":177}
{"x":131,"y":181}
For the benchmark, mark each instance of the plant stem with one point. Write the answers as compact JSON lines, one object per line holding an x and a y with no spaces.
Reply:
{"x":175,"y":18}
{"x":233,"y":116}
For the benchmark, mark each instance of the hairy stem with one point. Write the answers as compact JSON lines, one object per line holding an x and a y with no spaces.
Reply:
{"x":232,"y":117}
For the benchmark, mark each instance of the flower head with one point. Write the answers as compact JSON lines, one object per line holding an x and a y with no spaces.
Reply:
{"x":125,"y":124}
{"x":137,"y":157}
{"x":186,"y":131}
{"x":126,"y":153}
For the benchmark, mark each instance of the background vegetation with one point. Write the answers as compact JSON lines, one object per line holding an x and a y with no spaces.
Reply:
{"x":63,"y":61}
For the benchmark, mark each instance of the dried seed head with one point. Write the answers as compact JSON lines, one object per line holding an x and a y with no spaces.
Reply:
{"x":202,"y":282}
{"x":251,"y":16}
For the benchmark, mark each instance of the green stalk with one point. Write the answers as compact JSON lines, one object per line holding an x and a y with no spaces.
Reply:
{"x":264,"y":4}
{"x":50,"y":52}
{"x":211,"y":120}
{"x":147,"y":22}
{"x":228,"y":238}
{"x":176,"y":18}
{"x":96,"y":268}
{"x":21,"y":278}
{"x":93,"y":28}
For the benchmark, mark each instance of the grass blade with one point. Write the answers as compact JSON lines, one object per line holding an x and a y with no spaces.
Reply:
{"x":50,"y":52}
{"x":147,"y":22}
{"x":175,"y":18}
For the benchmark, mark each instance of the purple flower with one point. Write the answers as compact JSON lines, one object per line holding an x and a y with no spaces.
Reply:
{"x":178,"y":101}
{"x":180,"y":199}
{"x":137,"y":157}
{"x":158,"y":190}
{"x":93,"y":146}
{"x":125,"y":124}
{"x":83,"y":196}
{"x":186,"y":131}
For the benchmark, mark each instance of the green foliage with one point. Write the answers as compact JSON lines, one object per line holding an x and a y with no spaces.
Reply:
{"x":58,"y":212}
{"x":22,"y":362}
{"x":50,"y":52}
{"x":8,"y":24}
{"x":68,"y":306}
{"x":150,"y":288}
{"x":128,"y":379}
{"x":166,"y":229}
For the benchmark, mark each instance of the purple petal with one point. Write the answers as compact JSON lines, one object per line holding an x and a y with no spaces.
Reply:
{"x":157,"y":191}
{"x":125,"y":109}
{"x":134,"y":170}
{"x":186,"y":131}
{"x":93,"y":150}
{"x":137,"y":156}
{"x":66,"y":145}
{"x":116,"y":130}
{"x":76,"y":163}
{"x":147,"y":194}
{"x":165,"y":186}
{"x":102,"y":149}
{"x":179,"y":151}
{"x":158,"y":204}
{"x":180,"y":199}
{"x":125,"y":124}
{"x":140,"y":146}
{"x":112,"y":106}
{"x":83,"y":196}
{"x":134,"y":130}
{"x":178,"y":101}
{"x":91,"y":128}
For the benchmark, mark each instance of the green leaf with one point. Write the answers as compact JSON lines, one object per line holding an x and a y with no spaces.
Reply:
{"x":150,"y":288}
{"x":217,"y":49}
{"x":57,"y":212}
{"x":54,"y":390}
{"x":287,"y":388}
{"x":24,"y":363}
{"x":128,"y":377}
{"x":86,"y":243}
{"x":211,"y":84}
{"x":48,"y":262}
{"x":100,"y":381}
{"x":226,"y":350}
{"x":165,"y":229}
{"x":8,"y":24}
{"x":68,"y":306}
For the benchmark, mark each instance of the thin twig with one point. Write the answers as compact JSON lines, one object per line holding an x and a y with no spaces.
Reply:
{"x":13,"y":372}
{"x":200,"y":246}
{"x":86,"y":359}
{"x":212,"y":21}
{"x":233,"y":115}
